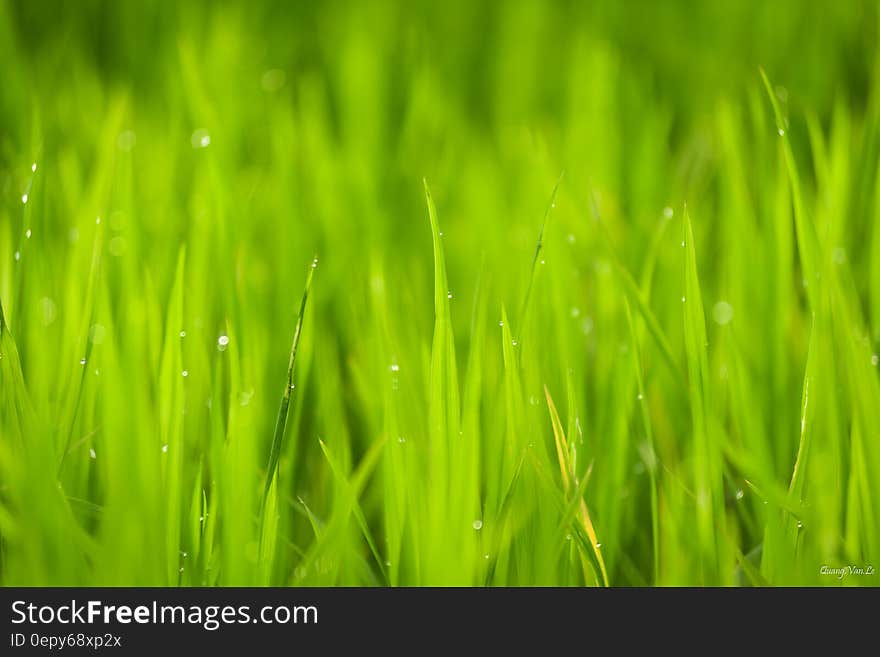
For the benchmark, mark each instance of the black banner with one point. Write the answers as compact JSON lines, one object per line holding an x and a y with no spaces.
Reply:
{"x":117,"y":621}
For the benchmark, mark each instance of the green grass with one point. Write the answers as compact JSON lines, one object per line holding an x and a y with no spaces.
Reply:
{"x":659,"y":368}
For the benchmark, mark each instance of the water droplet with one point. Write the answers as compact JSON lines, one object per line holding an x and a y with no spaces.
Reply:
{"x":682,"y":244}
{"x":740,"y":494}
{"x":116,"y":247}
{"x":82,"y":361}
{"x":486,"y":556}
{"x":292,"y":386}
{"x":126,"y":140}
{"x":27,"y":233}
{"x":165,"y":448}
{"x":667,"y":212}
{"x":185,"y":373}
{"x":49,"y":310}
{"x":183,"y":334}
{"x":501,"y":323}
{"x":201,"y":518}
{"x":97,"y":372}
{"x":401,"y":439}
{"x":34,"y":167}
{"x":598,"y":545}
{"x":97,"y":333}
{"x":477,"y":524}
{"x":24,"y":198}
{"x":533,"y":400}
{"x":800,"y":525}
{"x":641,"y":397}
{"x":92,"y":453}
{"x":568,"y":537}
{"x":543,"y":262}
{"x":395,"y":367}
{"x":722,"y":313}
{"x":682,"y":300}
{"x":17,"y":256}
{"x":449,"y":295}
{"x":440,"y":233}
{"x":184,"y":555}
{"x":180,"y":570}
{"x":273,"y":79}
{"x":315,"y":263}
{"x":874,"y":360}
{"x":222,"y":342}
{"x":388,"y":564}
{"x":781,"y":132}
{"x":513,"y":342}
{"x":98,"y":221}
{"x":201,"y":138}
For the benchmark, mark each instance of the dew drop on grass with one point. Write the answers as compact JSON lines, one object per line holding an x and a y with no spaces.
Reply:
{"x":401,"y":439}
{"x":82,"y":361}
{"x":315,"y":263}
{"x":640,"y":396}
{"x":165,"y":448}
{"x":17,"y":256}
{"x":49,"y":310}
{"x":395,"y":367}
{"x":800,"y":525}
{"x":34,"y":167}
{"x":501,"y":323}
{"x":514,"y":342}
{"x":722,"y":313}
{"x":222,"y":342}
{"x":27,"y":233}
{"x":568,"y":537}
{"x":97,"y":221}
{"x":201,"y":138}
{"x":449,"y":295}
{"x":185,"y":373}
{"x":874,"y":360}
{"x":92,"y":453}
{"x":24,"y":198}
{"x":543,"y":262}
{"x":477,"y":524}
{"x":667,"y":212}
{"x":781,"y":132}
{"x":126,"y":140}
{"x":183,"y":334}
{"x":682,"y":300}
{"x":740,"y":494}
{"x":486,"y":556}
{"x":598,"y":545}
{"x":97,"y":333}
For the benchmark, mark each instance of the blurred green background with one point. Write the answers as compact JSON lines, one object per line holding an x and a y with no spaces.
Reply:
{"x":256,"y":135}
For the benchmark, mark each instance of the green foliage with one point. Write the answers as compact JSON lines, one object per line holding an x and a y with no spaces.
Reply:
{"x":678,"y":385}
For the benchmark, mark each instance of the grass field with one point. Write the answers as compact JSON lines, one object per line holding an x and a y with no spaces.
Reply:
{"x":459,"y":293}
